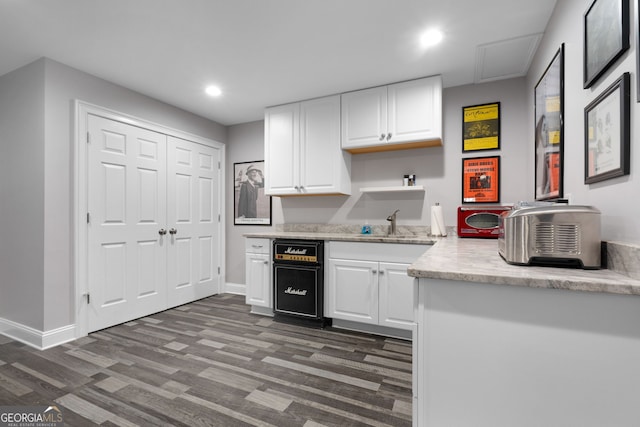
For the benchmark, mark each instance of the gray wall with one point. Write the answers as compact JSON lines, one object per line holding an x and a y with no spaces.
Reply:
{"x":22,"y":195}
{"x":40,"y":136}
{"x":245,"y":144}
{"x":438,"y":169}
{"x":616,"y":198}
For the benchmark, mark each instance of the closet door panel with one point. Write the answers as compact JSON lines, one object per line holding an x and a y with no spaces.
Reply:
{"x":126,"y":200}
{"x":192,"y":200}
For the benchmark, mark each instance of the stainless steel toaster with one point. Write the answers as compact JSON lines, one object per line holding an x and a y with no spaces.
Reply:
{"x":551,"y":235}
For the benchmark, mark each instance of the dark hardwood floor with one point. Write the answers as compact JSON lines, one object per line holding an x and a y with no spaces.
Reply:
{"x":212,"y":363}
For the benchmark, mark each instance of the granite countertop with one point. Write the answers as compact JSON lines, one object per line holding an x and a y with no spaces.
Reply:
{"x":416,"y":235}
{"x":414,"y":239}
{"x":477,"y":260}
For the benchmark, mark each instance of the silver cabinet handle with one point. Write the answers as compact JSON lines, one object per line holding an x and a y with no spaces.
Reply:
{"x":266,"y":262}
{"x":162,"y":232}
{"x":382,"y":137}
{"x":173,"y":231}
{"x":388,"y":136}
{"x":374,"y":271}
{"x":256,"y":246}
{"x":381,"y":272}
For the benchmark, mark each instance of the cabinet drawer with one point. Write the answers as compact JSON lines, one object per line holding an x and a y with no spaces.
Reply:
{"x":389,"y":252}
{"x":257,"y":245}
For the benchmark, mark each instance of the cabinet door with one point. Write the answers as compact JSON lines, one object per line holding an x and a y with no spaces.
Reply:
{"x":257,"y":268}
{"x":415,"y":110}
{"x":396,"y":296}
{"x":364,"y":117}
{"x":353,"y":290}
{"x":323,"y":164}
{"x":281,"y":145}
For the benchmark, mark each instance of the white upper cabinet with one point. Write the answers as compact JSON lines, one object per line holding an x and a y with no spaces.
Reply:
{"x":364,"y":117}
{"x":394,"y":117}
{"x":282,"y":149}
{"x":302,"y":149}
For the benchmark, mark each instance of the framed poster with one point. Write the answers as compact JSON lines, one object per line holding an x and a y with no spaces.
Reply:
{"x":250,"y":205}
{"x":607,"y":133}
{"x":481,"y":127}
{"x":549,"y":130}
{"x":481,"y":180}
{"x":637,"y":37}
{"x":606,"y":36}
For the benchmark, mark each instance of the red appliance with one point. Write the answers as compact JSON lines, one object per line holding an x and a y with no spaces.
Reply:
{"x":479,"y":221}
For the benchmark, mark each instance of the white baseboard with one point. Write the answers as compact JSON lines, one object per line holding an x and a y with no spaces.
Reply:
{"x":35,"y":338}
{"x":264,"y":311}
{"x":372,"y":329}
{"x":235,"y":288}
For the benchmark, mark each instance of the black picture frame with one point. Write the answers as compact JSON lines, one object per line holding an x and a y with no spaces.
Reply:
{"x":637,"y":37}
{"x":549,"y":130}
{"x":606,"y":37}
{"x":607,"y":126}
{"x":250,"y":205}
{"x":481,"y":127}
{"x":481,"y":180}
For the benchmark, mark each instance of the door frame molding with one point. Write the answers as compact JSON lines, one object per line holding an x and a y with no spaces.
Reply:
{"x":80,"y":200}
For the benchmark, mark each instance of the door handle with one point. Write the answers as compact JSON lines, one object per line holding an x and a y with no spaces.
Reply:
{"x":173,"y":231}
{"x":162,"y":232}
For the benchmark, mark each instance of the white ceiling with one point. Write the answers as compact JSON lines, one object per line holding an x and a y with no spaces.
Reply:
{"x":269,"y":52}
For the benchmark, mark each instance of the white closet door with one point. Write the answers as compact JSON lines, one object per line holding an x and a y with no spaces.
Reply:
{"x":127,"y":207}
{"x":193,"y":201}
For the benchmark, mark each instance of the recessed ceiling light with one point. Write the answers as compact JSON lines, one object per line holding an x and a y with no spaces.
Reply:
{"x":431,"y":38}
{"x":213,"y":91}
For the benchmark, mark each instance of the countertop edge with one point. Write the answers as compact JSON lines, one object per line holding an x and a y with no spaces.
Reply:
{"x":341,"y":237}
{"x":478,"y":261}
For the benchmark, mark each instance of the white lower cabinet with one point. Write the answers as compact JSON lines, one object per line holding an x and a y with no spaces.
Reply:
{"x":396,"y":292}
{"x":258,"y":273}
{"x":368,"y":283}
{"x":353,"y":290}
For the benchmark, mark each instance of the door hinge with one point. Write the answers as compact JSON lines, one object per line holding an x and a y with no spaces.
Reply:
{"x":88,"y":218}
{"x":88,"y":138}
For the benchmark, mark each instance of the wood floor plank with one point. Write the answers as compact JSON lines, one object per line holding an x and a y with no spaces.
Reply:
{"x":323,"y":373}
{"x":213,"y":363}
{"x":13,"y":385}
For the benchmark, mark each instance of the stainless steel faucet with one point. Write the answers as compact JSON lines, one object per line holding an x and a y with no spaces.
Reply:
{"x":392,"y":225}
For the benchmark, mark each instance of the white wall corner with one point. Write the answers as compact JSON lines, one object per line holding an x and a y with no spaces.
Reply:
{"x":37,"y":339}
